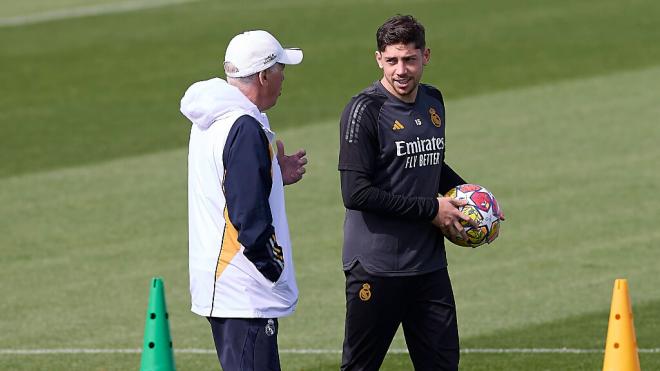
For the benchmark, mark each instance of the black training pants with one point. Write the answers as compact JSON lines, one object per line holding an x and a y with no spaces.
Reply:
{"x":246,"y":344}
{"x":376,"y":305}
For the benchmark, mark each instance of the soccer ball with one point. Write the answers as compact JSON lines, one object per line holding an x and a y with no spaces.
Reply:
{"x":481,"y":207}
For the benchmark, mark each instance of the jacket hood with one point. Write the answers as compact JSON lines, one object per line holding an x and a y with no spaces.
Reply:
{"x":207,"y":101}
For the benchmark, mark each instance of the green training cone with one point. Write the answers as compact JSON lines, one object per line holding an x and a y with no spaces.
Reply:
{"x":157,"y":354}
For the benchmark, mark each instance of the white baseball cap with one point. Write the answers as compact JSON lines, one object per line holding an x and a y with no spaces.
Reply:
{"x":254,"y":51}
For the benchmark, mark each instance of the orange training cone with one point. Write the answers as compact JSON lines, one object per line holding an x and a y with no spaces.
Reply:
{"x":621,"y":346}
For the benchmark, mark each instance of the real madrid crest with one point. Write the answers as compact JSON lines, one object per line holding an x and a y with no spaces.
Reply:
{"x":365,"y":292}
{"x":435,"y":118}
{"x":270,"y":328}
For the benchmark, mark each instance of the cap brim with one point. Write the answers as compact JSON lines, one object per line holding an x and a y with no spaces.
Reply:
{"x":291,"y":56}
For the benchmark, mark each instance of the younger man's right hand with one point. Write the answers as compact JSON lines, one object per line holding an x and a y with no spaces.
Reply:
{"x":449,"y":218}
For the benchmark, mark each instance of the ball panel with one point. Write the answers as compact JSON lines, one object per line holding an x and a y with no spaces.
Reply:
{"x":473,"y":213}
{"x":494,"y":231}
{"x":459,"y":242}
{"x":477,"y":236}
{"x":496,"y":208}
{"x":469,"y":187}
{"x":482,"y":200}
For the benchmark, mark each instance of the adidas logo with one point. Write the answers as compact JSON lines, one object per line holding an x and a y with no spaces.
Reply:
{"x":397,"y":125}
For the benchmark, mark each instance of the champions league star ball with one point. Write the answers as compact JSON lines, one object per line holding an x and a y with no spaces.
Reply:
{"x":481,"y":207}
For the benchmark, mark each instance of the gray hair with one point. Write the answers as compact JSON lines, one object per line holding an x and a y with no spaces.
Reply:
{"x":247,"y":80}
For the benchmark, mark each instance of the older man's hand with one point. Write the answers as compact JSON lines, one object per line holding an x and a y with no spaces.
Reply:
{"x":292,"y":166}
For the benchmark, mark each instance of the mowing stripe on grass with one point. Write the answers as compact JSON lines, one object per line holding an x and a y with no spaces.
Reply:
{"x":86,"y":11}
{"x":314,"y":351}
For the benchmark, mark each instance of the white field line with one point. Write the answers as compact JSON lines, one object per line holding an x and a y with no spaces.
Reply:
{"x":86,"y":11}
{"x":312,"y":351}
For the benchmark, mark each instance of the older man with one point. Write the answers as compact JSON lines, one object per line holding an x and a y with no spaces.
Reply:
{"x":241,"y":268}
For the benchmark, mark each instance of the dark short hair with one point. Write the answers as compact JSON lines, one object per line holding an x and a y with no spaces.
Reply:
{"x":400,"y":29}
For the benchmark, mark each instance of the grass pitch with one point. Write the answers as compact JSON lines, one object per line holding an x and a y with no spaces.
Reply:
{"x":562,"y":129}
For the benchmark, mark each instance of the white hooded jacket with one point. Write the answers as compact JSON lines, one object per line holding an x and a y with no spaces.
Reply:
{"x":223,"y":282}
